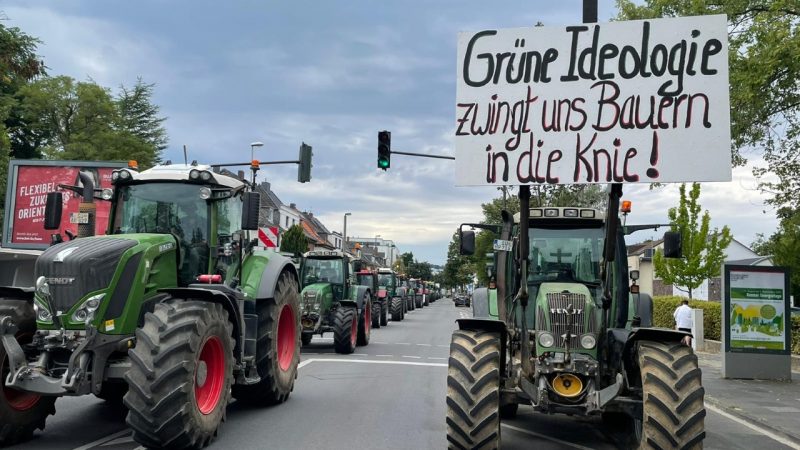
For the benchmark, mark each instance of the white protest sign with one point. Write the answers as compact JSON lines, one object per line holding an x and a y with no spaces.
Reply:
{"x":626,"y":102}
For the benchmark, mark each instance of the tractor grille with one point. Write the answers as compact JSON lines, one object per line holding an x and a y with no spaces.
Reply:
{"x":559,"y":318}
{"x":75,"y":268}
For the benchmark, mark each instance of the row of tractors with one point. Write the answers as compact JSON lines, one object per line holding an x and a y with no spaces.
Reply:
{"x":341,"y":297}
{"x":176,"y":310}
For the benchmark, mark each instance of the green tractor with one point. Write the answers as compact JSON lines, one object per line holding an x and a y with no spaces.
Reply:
{"x":409,"y":294}
{"x":390,"y":287}
{"x":173,"y":311}
{"x":563,"y":332}
{"x":380,"y":304}
{"x":332,"y":300}
{"x":420,"y":300}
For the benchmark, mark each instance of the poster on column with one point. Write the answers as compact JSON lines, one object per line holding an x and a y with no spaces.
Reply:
{"x":31,"y":181}
{"x":756,"y":309}
{"x":624,"y":102}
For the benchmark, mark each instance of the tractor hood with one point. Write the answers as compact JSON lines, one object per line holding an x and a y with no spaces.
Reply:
{"x":316,"y":298}
{"x":563,"y":308}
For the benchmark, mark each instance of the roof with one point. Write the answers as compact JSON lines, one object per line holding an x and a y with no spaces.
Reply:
{"x":181,"y":172}
{"x":265,"y":188}
{"x":638,"y":249}
{"x":316,"y":240}
{"x":751,"y":261}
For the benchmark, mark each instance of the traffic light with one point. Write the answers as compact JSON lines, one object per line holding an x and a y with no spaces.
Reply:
{"x":384,"y":149}
{"x":304,"y":168}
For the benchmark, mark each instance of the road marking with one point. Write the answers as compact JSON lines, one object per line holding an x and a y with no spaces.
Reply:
{"x":378,"y":342}
{"x":373,"y":361}
{"x":358,"y":354}
{"x":304,"y":363}
{"x":755,"y":428}
{"x":443,"y":359}
{"x":385,"y":356}
{"x":544,"y":436}
{"x":424,"y":345}
{"x":403,"y":343}
{"x":414,"y":357}
{"x":104,"y":440}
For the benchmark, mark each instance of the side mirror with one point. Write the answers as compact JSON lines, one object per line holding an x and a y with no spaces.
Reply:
{"x":672,"y":245}
{"x":634,"y":274}
{"x":52,"y":210}
{"x":251,"y":203}
{"x":467,"y":242}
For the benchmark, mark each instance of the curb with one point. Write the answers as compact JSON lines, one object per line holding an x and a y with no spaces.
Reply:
{"x":738,"y":413}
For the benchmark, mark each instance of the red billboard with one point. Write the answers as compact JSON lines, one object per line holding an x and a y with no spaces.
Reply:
{"x":30,"y":183}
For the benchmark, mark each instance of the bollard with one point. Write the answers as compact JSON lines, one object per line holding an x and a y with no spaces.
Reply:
{"x":697,"y":330}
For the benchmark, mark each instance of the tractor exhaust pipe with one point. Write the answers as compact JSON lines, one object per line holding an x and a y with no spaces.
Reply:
{"x":522,"y":295}
{"x":87,"y":206}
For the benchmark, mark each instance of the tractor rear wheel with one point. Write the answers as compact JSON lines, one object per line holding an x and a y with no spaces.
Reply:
{"x":473,"y":390}
{"x":364,"y":322}
{"x":179,"y":383}
{"x":376,"y":314}
{"x":21,"y":413}
{"x":385,"y":312}
{"x":345,"y":329}
{"x":672,"y":395}
{"x":277,"y":348}
{"x":397,"y":309}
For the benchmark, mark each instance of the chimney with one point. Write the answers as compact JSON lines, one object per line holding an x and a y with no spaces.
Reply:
{"x":292,"y":205}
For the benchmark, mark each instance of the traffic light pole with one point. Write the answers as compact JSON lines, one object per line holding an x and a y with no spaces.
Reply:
{"x":261,"y":163}
{"x":423,"y":155}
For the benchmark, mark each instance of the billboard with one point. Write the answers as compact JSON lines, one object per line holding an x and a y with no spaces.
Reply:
{"x":29,"y":183}
{"x":624,"y":102}
{"x":756,"y":310}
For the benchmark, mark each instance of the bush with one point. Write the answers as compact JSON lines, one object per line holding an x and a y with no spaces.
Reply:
{"x":664,"y":306}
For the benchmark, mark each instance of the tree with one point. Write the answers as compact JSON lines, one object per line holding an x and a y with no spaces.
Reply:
{"x":458,"y":269}
{"x":408,"y":259}
{"x":764,"y":58}
{"x":399,"y":266}
{"x":703,"y":248}
{"x":784,"y":246}
{"x":139,"y":116}
{"x":420,"y":269}
{"x":294,"y":240}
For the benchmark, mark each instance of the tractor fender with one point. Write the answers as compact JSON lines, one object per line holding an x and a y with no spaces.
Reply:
{"x":360,"y":292}
{"x":480,"y":304}
{"x":348,"y":303}
{"x":276,"y":265}
{"x":16,"y":293}
{"x":227,"y":301}
{"x":492,"y":325}
{"x":622,"y":342}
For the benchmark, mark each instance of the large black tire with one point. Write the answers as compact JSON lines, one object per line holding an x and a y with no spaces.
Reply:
{"x":278,"y":347}
{"x":345,"y":329}
{"x":364,"y":327}
{"x":305,"y":338}
{"x":473,"y":390}
{"x":672,"y":393}
{"x":425,"y":300}
{"x":21,"y":413}
{"x":385,"y":312}
{"x":376,"y":314}
{"x":418,"y":301}
{"x":397,"y":309}
{"x":179,"y":383}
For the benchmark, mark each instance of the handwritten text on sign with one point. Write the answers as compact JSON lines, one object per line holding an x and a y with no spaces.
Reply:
{"x":627,"y":102}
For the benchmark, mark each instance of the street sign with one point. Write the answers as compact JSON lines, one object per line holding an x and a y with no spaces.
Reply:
{"x":268,"y":237}
{"x":502,"y":245}
{"x":624,"y":102}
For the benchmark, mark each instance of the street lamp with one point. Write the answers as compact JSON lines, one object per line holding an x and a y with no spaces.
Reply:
{"x":253,"y":146}
{"x":344,"y":232}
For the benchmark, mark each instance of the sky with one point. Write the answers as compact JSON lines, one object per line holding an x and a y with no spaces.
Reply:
{"x":331,"y":74}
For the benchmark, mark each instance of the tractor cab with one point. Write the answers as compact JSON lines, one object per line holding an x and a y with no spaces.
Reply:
{"x":330,"y":267}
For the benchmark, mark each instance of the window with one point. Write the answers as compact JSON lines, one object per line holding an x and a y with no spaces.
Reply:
{"x":287,"y":222}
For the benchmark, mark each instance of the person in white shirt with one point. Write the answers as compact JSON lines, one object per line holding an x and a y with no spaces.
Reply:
{"x":683,"y":319}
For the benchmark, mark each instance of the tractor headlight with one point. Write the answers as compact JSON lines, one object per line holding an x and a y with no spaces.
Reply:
{"x":588,"y":341}
{"x":106,"y":194}
{"x":546,"y":339}
{"x":42,"y":313}
{"x":205,"y":193}
{"x":205,"y":175}
{"x":194,"y":174}
{"x":86,"y":312}
{"x":42,"y":287}
{"x":125,"y":174}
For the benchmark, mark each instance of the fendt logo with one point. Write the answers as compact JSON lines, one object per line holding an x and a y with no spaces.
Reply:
{"x":60,"y":280}
{"x":564,"y":311}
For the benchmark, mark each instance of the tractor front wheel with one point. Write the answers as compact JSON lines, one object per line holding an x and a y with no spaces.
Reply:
{"x":473,"y":390}
{"x":364,"y":322}
{"x":277,"y":348}
{"x":397,"y":309}
{"x":179,"y":383}
{"x":21,"y":413}
{"x":672,"y":398}
{"x":345,"y":329}
{"x":376,"y":314}
{"x":385,"y":312}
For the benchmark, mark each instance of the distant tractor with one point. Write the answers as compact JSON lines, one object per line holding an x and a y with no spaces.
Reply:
{"x":173,"y":312}
{"x":420,"y":300}
{"x":380,"y":306}
{"x":564,"y":333}
{"x":411,"y":294}
{"x":389,"y":287}
{"x":332,"y":301}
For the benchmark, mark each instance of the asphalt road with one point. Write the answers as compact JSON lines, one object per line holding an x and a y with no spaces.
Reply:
{"x":389,"y":394}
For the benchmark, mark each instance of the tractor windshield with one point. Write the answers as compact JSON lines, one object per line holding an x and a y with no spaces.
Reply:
{"x":565,"y":254}
{"x":385,"y":280}
{"x":365,"y":280}
{"x":322,"y":271}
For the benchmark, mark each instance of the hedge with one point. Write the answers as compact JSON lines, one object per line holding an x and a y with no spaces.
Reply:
{"x":664,"y":306}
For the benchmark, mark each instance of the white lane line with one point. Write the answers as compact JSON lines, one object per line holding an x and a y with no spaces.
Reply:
{"x":372,"y":361}
{"x":753,"y":427}
{"x":385,"y":356}
{"x":544,"y":436}
{"x":443,"y":359}
{"x":403,"y":343}
{"x":104,"y":439}
{"x":378,"y":342}
{"x":424,"y":345}
{"x":304,"y":363}
{"x":358,"y":354}
{"x":413,"y":357}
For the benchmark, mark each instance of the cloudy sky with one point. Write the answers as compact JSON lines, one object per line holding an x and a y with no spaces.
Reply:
{"x":330,"y":73}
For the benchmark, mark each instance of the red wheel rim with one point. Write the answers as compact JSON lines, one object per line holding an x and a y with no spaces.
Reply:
{"x":354,"y":330}
{"x":209,"y":377}
{"x":368,"y":319}
{"x":287,"y":338}
{"x":18,"y":400}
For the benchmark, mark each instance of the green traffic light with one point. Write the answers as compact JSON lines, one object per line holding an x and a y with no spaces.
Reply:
{"x":383,"y":163}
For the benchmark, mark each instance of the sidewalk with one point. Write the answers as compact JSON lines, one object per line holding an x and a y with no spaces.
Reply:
{"x":772,"y":405}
